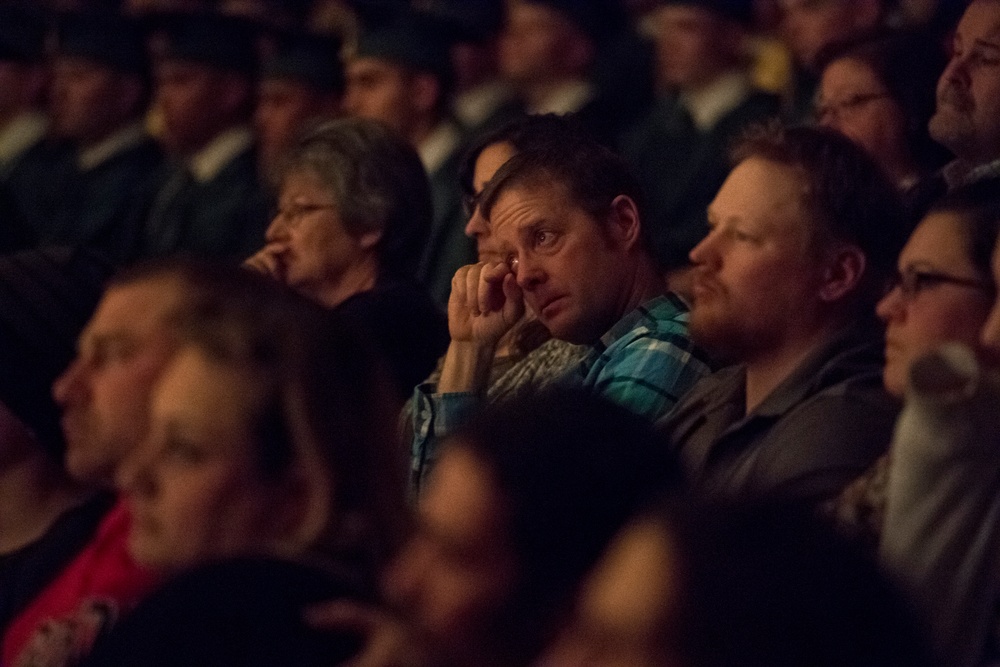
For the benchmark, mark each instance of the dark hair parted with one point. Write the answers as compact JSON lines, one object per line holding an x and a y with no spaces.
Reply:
{"x":571,"y":469}
{"x":977,"y":206}
{"x":325,"y":409}
{"x":849,"y":198}
{"x":377,"y":183}
{"x":590,"y":173}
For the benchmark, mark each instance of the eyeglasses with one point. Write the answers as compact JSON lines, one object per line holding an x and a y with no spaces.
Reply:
{"x":293,"y":213}
{"x":912,"y":283}
{"x":835,"y":110}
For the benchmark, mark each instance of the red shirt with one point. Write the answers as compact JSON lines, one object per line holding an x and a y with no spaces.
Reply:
{"x":103,"y":582}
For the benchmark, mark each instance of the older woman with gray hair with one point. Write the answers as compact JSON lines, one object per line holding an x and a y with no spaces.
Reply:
{"x":354,"y":213}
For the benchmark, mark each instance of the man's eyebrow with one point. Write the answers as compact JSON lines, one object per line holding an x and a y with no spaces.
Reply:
{"x":982,"y":43}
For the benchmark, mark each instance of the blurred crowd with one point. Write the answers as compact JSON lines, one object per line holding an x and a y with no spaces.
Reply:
{"x":499,"y":332}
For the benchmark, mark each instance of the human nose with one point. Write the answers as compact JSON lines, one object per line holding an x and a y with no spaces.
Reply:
{"x":70,"y":383}
{"x":476,"y":227}
{"x":278,"y":228}
{"x":135,"y":475}
{"x":990,"y":336}
{"x":891,"y":305}
{"x":705,"y":251}
{"x":528,"y":271}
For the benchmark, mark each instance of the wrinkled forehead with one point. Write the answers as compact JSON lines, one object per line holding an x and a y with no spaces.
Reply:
{"x":981,"y":20}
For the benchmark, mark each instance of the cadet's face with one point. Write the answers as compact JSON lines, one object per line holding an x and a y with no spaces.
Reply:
{"x":569,"y":266}
{"x":625,"y":606}
{"x":458,"y":570}
{"x":755,"y":272}
{"x":186,"y":96}
{"x":937,"y":311}
{"x":810,"y":26}
{"x":686,"y":45}
{"x":967,"y":119}
{"x":104,"y":394}
{"x":194,"y":487}
{"x":378,"y":90}
{"x":84,"y":99}
{"x":534,"y":41}
{"x":283,"y":108}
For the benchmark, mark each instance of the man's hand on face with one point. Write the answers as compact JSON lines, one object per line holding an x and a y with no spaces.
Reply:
{"x":485,"y":303}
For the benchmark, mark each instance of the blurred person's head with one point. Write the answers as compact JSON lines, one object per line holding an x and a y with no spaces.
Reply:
{"x":803,"y":238}
{"x":811,"y":26}
{"x":270,"y":432}
{"x":203,"y":79}
{"x":880,"y":94}
{"x":521,"y":503}
{"x":697,"y":40}
{"x":299,"y":85}
{"x":967,"y":120}
{"x":567,"y":218}
{"x":751,"y":586}
{"x":354,"y":206}
{"x":23,"y":76}
{"x":944,"y":289}
{"x":100,"y":77}
{"x":549,"y":41}
{"x":400,"y":75}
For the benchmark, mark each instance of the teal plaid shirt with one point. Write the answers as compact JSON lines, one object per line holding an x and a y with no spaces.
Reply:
{"x":644,"y":363}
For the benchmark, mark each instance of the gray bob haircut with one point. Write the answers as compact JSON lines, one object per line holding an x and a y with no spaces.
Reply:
{"x":377,"y":183}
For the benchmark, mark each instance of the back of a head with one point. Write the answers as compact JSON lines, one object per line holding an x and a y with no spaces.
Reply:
{"x":572,"y":468}
{"x":770,"y":586}
{"x":377,"y":182}
{"x":849,"y":198}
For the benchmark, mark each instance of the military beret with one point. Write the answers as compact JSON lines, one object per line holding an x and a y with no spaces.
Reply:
{"x":218,"y":40}
{"x":310,"y":58}
{"x":740,"y":11}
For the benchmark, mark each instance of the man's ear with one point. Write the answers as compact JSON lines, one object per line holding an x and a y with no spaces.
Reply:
{"x":843,"y":273}
{"x":623,"y":222}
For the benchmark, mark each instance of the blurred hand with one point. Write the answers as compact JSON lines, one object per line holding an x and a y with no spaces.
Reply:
{"x":388,"y":640}
{"x":485,"y":303}
{"x":267,"y":261}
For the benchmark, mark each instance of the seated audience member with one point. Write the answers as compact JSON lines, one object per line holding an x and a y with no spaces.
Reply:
{"x":804,"y":233}
{"x":483,"y":101}
{"x":810,"y":28}
{"x":401,"y":75}
{"x":208,"y":201}
{"x":300,"y":84}
{"x":706,"y":100}
{"x":566,"y":219}
{"x":943,"y":293}
{"x":526,"y":357}
{"x":27,"y":155}
{"x":940,"y":530}
{"x":526,"y":496}
{"x":737,"y":587}
{"x":100,"y":90}
{"x":880,"y":94}
{"x":45,"y":517}
{"x":548,"y":50}
{"x":104,"y":397}
{"x":967,"y":118}
{"x":354,"y":213}
{"x":271,"y":437}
